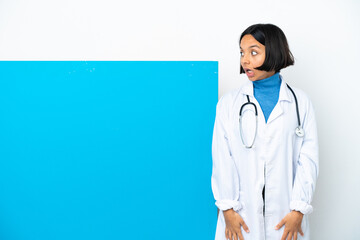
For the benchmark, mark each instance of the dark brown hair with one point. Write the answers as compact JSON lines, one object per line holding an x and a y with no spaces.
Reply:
{"x":277,"y":52}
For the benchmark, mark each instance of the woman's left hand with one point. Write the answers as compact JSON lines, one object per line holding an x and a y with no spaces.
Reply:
{"x":292,"y":222}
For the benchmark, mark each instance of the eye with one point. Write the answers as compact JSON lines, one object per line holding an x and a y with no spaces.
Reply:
{"x":241,"y":54}
{"x":253,"y":53}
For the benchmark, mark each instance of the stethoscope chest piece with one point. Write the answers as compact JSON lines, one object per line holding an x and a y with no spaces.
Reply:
{"x":299,"y":131}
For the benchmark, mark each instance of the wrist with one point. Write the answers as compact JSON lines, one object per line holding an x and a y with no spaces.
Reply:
{"x":298,"y":213}
{"x":228,"y":211}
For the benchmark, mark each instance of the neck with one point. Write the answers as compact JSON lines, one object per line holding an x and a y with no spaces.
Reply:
{"x":266,"y":92}
{"x":271,"y":81}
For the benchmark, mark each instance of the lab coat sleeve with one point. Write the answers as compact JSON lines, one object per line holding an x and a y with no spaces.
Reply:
{"x":307,"y":168}
{"x":224,"y":179}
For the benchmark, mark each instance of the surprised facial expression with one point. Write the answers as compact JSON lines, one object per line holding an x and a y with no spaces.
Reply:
{"x":252,"y":55}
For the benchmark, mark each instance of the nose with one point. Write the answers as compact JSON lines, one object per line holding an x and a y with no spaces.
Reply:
{"x":244,"y":60}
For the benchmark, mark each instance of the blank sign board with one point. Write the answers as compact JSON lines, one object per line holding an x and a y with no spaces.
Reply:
{"x":107,"y":150}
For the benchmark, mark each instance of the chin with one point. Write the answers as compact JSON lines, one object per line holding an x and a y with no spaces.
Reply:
{"x":253,"y":78}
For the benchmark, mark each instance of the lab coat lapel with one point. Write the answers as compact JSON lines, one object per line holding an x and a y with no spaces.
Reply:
{"x":276,"y":112}
{"x":283,"y":96}
{"x":248,"y":88}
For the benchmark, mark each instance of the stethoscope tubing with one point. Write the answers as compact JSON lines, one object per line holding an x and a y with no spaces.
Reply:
{"x":296,"y":103}
{"x":248,"y":102}
{"x":240,"y":121}
{"x":299,"y":131}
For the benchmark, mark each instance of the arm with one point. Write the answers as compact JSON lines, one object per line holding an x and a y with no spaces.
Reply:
{"x":307,"y":169}
{"x":224,"y":179}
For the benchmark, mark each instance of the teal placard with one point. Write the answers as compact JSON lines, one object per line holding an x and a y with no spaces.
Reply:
{"x":107,"y":149}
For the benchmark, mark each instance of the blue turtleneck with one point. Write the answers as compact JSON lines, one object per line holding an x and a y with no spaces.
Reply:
{"x":266,"y":92}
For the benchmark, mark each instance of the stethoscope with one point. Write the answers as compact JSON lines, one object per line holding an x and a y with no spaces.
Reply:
{"x":299,"y":131}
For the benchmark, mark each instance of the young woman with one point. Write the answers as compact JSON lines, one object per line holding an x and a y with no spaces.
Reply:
{"x":265,"y":147}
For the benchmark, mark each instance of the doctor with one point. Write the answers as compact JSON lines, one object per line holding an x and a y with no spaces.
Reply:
{"x":264,"y":167}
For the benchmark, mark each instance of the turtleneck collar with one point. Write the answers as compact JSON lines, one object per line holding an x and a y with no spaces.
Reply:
{"x":266,"y":92}
{"x":270,"y":82}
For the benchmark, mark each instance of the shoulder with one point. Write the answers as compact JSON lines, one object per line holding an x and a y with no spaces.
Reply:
{"x":233,"y":96}
{"x":227,"y":101}
{"x":299,"y":92}
{"x":305,"y":105}
{"x":302,"y":97}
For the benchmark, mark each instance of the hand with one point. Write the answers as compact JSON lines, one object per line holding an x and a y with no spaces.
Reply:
{"x":234,"y":222}
{"x":292,"y":222}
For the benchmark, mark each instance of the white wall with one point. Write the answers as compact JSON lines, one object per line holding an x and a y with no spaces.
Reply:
{"x":324,"y":37}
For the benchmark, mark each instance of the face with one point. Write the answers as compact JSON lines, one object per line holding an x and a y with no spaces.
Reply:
{"x":253,"y":55}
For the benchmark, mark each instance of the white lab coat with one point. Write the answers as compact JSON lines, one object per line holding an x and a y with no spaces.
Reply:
{"x":286,"y":164}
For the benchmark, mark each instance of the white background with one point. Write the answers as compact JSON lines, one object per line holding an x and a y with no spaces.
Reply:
{"x":324,"y":37}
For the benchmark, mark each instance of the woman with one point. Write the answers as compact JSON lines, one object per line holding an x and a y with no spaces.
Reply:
{"x":265,"y":170}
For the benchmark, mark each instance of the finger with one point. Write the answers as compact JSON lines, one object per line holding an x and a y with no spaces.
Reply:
{"x":236,"y":237}
{"x":295,"y":236}
{"x":284,"y":235}
{"x":245,"y":227}
{"x":240,"y":236}
{"x":230,"y":235}
{"x":281,"y":223}
{"x":226,"y":233}
{"x":290,"y":235}
{"x":301,"y":232}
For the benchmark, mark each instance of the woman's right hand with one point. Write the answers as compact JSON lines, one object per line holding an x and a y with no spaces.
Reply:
{"x":234,"y":222}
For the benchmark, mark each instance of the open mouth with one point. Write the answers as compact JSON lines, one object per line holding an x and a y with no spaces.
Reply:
{"x":249,"y":72}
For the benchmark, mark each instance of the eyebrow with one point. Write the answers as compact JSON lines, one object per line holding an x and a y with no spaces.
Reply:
{"x":252,"y":46}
